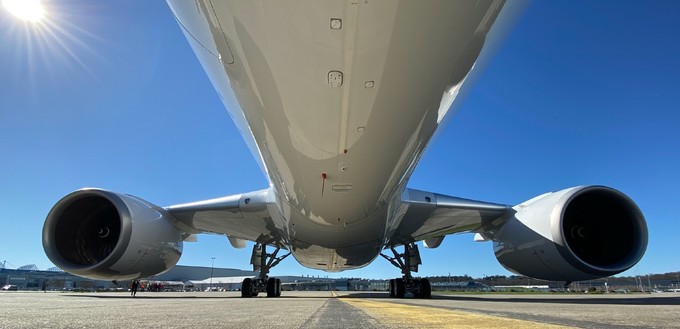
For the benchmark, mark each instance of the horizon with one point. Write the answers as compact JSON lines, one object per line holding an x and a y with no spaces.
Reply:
{"x":111,"y":95}
{"x":321,"y":275}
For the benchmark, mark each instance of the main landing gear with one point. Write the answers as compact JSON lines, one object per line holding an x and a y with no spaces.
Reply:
{"x":263,"y":262}
{"x":407,"y":262}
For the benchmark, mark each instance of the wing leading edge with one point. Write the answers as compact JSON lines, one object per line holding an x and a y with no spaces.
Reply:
{"x":421,"y":215}
{"x":430,"y":216}
{"x":240,"y":217}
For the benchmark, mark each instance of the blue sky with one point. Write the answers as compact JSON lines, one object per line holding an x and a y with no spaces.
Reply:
{"x":109,"y":94}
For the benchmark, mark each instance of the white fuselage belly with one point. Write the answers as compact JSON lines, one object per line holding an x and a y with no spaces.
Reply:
{"x":338,"y":153}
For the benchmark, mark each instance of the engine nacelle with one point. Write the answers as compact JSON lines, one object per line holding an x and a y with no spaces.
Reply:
{"x":101,"y":234}
{"x":579,"y":233}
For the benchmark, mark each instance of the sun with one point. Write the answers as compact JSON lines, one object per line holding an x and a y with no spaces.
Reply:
{"x":28,"y":10}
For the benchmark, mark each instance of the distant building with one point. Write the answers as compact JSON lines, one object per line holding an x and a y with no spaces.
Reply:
{"x":28,"y":277}
{"x":178,"y":278}
{"x":29,"y":267}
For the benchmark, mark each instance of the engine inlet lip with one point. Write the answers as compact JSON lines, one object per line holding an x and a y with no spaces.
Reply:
{"x":49,"y":239}
{"x":638,"y":221}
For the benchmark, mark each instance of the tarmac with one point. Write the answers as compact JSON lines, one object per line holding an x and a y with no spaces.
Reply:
{"x":324,"y":309}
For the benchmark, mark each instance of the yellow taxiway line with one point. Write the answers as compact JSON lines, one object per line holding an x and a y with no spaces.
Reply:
{"x":394,"y":315}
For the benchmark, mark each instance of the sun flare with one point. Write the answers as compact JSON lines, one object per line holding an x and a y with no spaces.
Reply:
{"x":28,"y":10}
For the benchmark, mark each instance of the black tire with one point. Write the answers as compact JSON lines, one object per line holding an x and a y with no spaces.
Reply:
{"x":400,"y":289}
{"x":392,"y":290}
{"x":425,"y":288}
{"x":247,"y":288}
{"x":278,"y":287}
{"x":271,"y":287}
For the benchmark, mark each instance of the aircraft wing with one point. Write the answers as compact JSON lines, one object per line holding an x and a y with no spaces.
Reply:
{"x":241,"y":217}
{"x":430,"y":216}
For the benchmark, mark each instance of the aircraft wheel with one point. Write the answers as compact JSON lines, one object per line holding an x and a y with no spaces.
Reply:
{"x":271,"y":287}
{"x":278,"y":287}
{"x":247,"y":288}
{"x":425,"y":288}
{"x":400,"y":289}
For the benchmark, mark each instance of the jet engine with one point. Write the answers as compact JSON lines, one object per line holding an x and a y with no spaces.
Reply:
{"x":105,"y":235}
{"x":579,"y":233}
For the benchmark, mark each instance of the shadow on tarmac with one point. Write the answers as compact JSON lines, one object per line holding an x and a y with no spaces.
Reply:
{"x":660,"y":299}
{"x":159,"y":296}
{"x":155,"y":295}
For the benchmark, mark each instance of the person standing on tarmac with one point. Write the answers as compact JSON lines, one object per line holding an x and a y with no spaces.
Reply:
{"x":135,"y":285}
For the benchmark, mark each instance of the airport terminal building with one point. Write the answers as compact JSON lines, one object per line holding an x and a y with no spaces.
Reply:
{"x":30,"y":278}
{"x":197,"y":278}
{"x":179,"y":278}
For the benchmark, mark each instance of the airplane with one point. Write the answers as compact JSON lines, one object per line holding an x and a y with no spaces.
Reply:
{"x":337,"y":101}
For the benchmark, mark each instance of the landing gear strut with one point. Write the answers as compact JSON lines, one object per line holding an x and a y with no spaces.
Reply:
{"x":408,"y":262}
{"x":263,"y":262}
